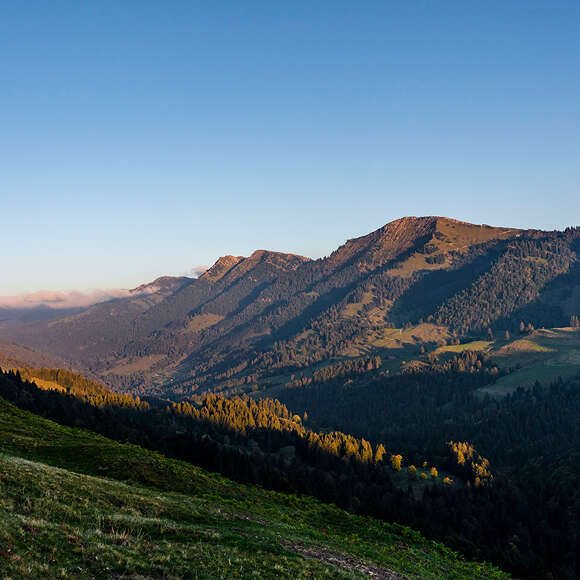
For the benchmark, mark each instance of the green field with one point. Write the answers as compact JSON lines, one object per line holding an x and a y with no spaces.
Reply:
{"x":542,"y":356}
{"x":77,"y":505}
{"x":475,"y":345}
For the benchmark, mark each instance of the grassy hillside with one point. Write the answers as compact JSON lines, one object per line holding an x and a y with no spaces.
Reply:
{"x":543,"y":356}
{"x":74,"y":504}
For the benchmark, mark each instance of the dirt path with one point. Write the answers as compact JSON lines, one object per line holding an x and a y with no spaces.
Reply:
{"x":343,"y":561}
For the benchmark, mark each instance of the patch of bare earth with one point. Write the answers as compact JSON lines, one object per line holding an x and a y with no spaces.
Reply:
{"x":344,"y":561}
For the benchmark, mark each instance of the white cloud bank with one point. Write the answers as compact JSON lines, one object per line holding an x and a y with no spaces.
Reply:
{"x":61,"y":300}
{"x":75,"y":299}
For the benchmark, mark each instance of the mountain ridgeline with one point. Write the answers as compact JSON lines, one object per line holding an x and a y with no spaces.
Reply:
{"x":251,"y":323}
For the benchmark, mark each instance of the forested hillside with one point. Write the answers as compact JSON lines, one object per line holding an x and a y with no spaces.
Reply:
{"x":249,"y":323}
{"x":494,"y":479}
{"x":77,"y":505}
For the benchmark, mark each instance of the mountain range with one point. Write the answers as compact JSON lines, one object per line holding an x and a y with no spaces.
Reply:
{"x":255,"y":323}
{"x":427,"y":374}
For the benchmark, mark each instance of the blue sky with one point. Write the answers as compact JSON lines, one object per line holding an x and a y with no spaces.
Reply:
{"x":145,"y":138}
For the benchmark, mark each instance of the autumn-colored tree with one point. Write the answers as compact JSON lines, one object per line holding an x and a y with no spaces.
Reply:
{"x":412,"y":472}
{"x":462,"y":451}
{"x":396,"y":462}
{"x":466,"y":455}
{"x":434,"y":473}
{"x":365,"y":451}
{"x":380,"y":453}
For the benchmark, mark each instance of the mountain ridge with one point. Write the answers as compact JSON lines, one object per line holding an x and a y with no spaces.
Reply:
{"x":247,"y":317}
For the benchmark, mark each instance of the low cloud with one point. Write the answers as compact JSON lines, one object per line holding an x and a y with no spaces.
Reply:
{"x":76,"y":299}
{"x":196,"y":272}
{"x":60,"y":300}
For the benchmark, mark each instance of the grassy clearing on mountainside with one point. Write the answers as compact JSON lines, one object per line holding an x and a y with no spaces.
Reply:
{"x":396,"y":338}
{"x":542,"y":356}
{"x":353,"y":308}
{"x":201,"y":321}
{"x":475,"y":345}
{"x":128,"y":366}
{"x":176,"y":521}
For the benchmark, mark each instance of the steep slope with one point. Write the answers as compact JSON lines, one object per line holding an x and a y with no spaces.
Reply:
{"x":158,"y":517}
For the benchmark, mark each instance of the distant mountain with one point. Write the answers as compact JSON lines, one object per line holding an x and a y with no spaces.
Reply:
{"x":251,"y":322}
{"x":35,"y":314}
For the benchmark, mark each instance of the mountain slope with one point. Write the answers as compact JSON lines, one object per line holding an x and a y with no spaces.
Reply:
{"x":159,"y":517}
{"x":246,"y":320}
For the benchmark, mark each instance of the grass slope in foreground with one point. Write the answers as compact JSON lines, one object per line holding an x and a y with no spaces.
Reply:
{"x":74,"y":504}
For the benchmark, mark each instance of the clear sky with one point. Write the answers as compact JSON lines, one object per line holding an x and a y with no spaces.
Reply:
{"x":145,"y":138}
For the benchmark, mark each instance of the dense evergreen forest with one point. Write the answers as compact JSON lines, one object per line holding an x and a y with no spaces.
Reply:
{"x":511,"y":495}
{"x":531,"y":437}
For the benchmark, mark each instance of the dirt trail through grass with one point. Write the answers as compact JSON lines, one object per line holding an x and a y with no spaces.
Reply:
{"x":343,"y":561}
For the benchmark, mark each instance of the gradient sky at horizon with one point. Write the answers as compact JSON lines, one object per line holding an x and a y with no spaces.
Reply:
{"x":143,"y":138}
